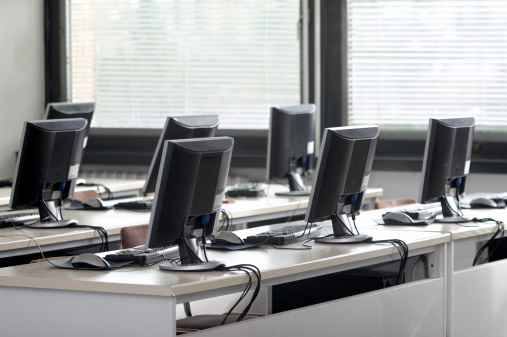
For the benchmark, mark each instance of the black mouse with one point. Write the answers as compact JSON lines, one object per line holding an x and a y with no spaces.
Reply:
{"x":93,"y":202}
{"x":88,"y":260}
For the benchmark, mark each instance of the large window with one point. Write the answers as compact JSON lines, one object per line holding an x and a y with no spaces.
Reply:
{"x":411,"y":60}
{"x":141,"y":61}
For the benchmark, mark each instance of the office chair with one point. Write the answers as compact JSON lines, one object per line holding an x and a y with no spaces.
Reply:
{"x":393,"y":202}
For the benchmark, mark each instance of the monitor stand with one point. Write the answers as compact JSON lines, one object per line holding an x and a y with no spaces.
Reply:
{"x":297,"y":186}
{"x":342,"y":234}
{"x":184,"y":245}
{"x":50,"y":216}
{"x":450,"y":211}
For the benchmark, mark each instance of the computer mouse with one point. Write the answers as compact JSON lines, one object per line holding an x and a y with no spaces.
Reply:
{"x":88,"y":260}
{"x":227,"y":238}
{"x":397,"y":218}
{"x":483,"y":203}
{"x":93,"y":202}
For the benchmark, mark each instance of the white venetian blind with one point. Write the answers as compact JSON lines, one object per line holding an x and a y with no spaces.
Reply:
{"x":141,"y":61}
{"x":411,"y":60}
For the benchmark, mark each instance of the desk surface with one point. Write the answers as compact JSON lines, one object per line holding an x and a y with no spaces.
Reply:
{"x":12,"y":241}
{"x":273,"y":263}
{"x":458,"y":231}
{"x":115,"y":185}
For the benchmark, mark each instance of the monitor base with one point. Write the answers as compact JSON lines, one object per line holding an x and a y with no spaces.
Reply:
{"x":53,"y":224}
{"x":299,"y":193}
{"x":204,"y":266}
{"x":345,"y":239}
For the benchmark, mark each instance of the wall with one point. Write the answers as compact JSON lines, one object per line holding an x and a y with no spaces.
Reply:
{"x":21,"y":73}
{"x":406,"y":184}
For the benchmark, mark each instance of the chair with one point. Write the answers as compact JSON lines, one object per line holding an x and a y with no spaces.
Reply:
{"x":83,"y":195}
{"x":393,"y":202}
{"x":135,"y":236}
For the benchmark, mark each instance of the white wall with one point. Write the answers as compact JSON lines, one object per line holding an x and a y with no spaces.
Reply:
{"x":21,"y":73}
{"x":406,"y":184}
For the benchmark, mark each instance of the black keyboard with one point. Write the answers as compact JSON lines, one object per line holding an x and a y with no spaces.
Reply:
{"x":142,"y":256}
{"x":144,"y":204}
{"x":285,"y":235}
{"x":5,"y":183}
{"x":7,"y":220}
{"x":421,"y":211}
{"x":247,"y":190}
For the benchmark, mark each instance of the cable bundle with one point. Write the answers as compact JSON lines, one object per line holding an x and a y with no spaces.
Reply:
{"x":403,"y":254}
{"x":490,"y":243}
{"x":248,"y":269}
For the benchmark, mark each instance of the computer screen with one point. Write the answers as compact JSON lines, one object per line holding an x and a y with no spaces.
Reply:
{"x":72,"y":110}
{"x":188,"y":197}
{"x":47,"y":166}
{"x":291,"y":146}
{"x":182,"y":127}
{"x":446,"y":164}
{"x":341,"y":178}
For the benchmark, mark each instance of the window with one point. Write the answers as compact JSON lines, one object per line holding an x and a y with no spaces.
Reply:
{"x":411,"y":60}
{"x":141,"y":61}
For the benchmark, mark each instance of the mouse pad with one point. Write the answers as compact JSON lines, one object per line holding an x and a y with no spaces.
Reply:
{"x":78,"y":205}
{"x":232,"y":247}
{"x":68,"y":265}
{"x":415,"y":223}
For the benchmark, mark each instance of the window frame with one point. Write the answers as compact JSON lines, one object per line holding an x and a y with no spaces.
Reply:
{"x":396,"y":151}
{"x":327,"y":86}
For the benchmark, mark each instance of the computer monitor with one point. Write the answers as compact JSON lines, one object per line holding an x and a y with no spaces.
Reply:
{"x":188,"y":197}
{"x":341,"y":179}
{"x":46,"y":168}
{"x":182,"y":127}
{"x":72,"y":110}
{"x":446,"y":164}
{"x":291,"y":146}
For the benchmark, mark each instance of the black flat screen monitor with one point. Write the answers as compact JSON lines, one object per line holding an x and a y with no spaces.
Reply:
{"x":183,"y":127}
{"x":341,"y":179}
{"x":446,"y":164}
{"x":291,"y":146}
{"x":188,"y":197}
{"x":72,"y":110}
{"x":47,"y":167}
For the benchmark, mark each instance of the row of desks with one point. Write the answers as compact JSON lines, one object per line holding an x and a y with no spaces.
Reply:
{"x":15,"y":242}
{"x":439,"y":305}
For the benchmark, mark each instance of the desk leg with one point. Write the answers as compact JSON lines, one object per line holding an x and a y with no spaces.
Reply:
{"x":47,"y":312}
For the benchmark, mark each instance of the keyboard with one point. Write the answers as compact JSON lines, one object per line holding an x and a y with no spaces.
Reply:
{"x":142,"y":256}
{"x":247,"y":190}
{"x":5,"y":183}
{"x":144,"y":204}
{"x":285,"y":235}
{"x":8,"y":220}
{"x":421,"y":211}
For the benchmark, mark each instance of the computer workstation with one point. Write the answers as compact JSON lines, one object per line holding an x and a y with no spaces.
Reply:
{"x":326,"y":256}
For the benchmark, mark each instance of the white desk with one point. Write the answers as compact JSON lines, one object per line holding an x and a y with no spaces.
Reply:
{"x":113,"y":299}
{"x":241,"y":210}
{"x":276,"y":207}
{"x":119,"y":187}
{"x":476,"y":295}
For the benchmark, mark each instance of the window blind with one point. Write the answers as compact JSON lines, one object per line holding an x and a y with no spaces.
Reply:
{"x":411,"y":60}
{"x":141,"y":61}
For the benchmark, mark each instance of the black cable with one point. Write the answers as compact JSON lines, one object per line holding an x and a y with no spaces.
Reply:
{"x":203,"y":240}
{"x":489,"y":243}
{"x":248,"y":269}
{"x":104,"y":247}
{"x":403,"y":254}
